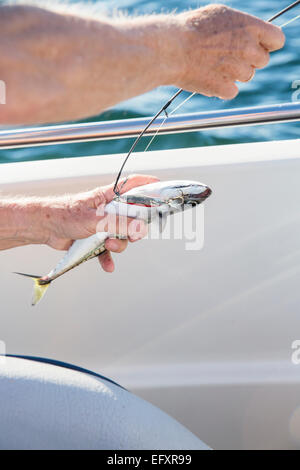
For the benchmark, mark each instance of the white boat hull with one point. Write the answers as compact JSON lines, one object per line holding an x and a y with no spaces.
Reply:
{"x":205,"y":335}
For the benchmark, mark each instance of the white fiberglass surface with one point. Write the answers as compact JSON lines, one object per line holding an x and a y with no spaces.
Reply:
{"x":212,"y":329}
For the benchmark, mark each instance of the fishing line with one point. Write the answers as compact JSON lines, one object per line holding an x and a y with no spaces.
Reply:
{"x":291,"y":21}
{"x":169,"y":114}
{"x":285,"y":10}
{"x":170,"y":101}
{"x":163,"y":109}
{"x":117,"y":192}
{"x":193,"y":94}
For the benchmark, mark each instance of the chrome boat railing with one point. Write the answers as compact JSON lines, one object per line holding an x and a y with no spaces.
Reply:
{"x":71,"y":133}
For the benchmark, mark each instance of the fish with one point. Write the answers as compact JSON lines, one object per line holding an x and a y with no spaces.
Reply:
{"x":151,"y":202}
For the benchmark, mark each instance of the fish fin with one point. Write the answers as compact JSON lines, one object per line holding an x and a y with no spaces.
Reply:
{"x":39,"y":289}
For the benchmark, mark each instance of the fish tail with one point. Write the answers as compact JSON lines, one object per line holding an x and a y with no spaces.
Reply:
{"x":39,"y":289}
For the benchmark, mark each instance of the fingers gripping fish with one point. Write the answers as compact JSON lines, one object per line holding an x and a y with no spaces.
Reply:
{"x":146,"y":202}
{"x":150,"y":202}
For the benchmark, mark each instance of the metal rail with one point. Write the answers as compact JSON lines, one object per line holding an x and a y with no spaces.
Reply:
{"x":71,"y":133}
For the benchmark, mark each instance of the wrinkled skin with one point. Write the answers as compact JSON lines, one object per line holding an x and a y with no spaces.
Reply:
{"x":58,"y":221}
{"x":222,"y":46}
{"x":47,"y":59}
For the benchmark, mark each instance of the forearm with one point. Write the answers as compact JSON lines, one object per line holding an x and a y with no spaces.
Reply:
{"x":60,"y":67}
{"x":22,"y":222}
{"x":59,"y":220}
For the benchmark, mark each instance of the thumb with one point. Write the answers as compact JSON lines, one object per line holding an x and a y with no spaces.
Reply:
{"x":133,"y":181}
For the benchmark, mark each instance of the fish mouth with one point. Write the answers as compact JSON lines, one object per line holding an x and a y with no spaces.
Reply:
{"x":204,"y":195}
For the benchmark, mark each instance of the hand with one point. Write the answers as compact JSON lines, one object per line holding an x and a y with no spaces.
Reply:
{"x":220,"y":46}
{"x":58,"y":221}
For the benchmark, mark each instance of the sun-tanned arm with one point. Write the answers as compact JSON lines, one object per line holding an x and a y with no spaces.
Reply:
{"x":60,"y":67}
{"x":58,"y":221}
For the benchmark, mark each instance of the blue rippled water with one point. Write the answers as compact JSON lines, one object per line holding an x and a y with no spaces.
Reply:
{"x":271,"y":85}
